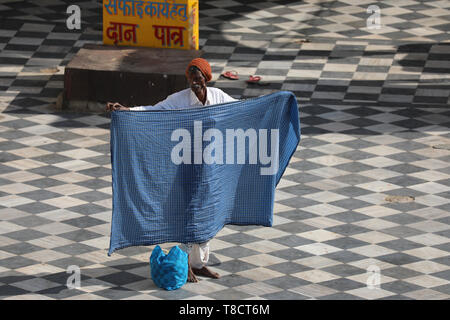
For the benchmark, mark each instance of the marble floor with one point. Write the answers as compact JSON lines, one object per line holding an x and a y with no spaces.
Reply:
{"x":362,"y":212}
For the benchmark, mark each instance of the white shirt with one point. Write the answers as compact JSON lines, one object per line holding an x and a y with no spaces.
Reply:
{"x":187,"y":99}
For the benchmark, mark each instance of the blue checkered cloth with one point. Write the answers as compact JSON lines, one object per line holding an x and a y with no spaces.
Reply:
{"x":157,"y":200}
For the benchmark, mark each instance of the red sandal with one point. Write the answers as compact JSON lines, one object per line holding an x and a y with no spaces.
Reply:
{"x":256,"y":80}
{"x":232,"y":75}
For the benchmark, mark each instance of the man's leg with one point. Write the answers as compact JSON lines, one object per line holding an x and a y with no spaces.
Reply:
{"x":198,"y":259}
{"x":198,"y":255}
{"x":187,"y":247}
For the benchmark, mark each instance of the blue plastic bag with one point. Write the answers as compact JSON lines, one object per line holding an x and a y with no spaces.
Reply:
{"x":169,"y":271}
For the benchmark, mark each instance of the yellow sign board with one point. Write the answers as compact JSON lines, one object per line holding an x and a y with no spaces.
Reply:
{"x":160,"y":24}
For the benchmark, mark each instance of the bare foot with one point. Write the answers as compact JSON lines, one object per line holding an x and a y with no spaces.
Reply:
{"x":191,"y":276}
{"x":206,"y":273}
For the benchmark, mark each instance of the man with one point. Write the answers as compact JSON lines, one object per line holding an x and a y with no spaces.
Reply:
{"x":198,"y":73}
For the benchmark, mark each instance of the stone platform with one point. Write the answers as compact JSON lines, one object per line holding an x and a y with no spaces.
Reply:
{"x":128,"y":75}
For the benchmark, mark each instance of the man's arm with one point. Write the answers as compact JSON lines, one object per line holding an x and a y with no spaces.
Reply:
{"x":113,"y":106}
{"x":171,"y":102}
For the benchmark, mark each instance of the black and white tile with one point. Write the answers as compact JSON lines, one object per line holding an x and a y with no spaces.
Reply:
{"x":374,"y":115}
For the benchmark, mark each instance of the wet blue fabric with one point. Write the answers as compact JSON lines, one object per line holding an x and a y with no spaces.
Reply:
{"x":158,"y":198}
{"x":169,"y":271}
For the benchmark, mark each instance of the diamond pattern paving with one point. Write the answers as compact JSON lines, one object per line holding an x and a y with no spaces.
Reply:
{"x":375,"y":118}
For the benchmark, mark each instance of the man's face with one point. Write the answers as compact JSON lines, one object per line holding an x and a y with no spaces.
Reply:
{"x":197,"y":81}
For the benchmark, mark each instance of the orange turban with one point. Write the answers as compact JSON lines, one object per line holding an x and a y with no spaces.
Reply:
{"x":203,"y":65}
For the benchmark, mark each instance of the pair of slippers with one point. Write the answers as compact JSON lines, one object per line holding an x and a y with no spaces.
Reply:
{"x":233,"y":75}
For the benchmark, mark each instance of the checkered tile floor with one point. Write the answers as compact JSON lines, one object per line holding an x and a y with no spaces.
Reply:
{"x":375,"y":124}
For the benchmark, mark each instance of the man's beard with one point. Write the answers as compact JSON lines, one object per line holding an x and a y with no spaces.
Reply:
{"x":196,"y":87}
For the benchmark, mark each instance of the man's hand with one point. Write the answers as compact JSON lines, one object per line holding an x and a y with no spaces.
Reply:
{"x":113,"y":106}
